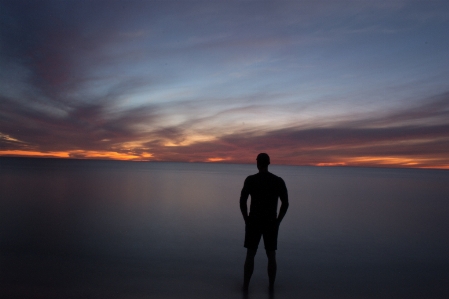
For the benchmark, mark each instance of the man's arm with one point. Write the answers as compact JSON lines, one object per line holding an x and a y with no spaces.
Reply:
{"x":243,"y":199}
{"x":283,"y":196}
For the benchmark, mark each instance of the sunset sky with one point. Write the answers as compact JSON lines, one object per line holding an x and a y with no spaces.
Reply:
{"x":359,"y":83}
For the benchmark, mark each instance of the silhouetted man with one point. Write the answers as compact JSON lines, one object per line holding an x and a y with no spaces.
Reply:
{"x":265,"y":188}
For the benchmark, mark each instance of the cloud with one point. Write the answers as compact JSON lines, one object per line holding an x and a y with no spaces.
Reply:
{"x":184,"y":81}
{"x":353,"y":143}
{"x":96,"y":131}
{"x":337,"y":146}
{"x":84,"y":126}
{"x":433,"y":110}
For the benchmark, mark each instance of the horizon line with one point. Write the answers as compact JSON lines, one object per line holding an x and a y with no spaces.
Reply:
{"x":336,"y":164}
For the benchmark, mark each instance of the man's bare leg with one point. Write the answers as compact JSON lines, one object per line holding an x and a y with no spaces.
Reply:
{"x":249,"y":267}
{"x":271,"y":254}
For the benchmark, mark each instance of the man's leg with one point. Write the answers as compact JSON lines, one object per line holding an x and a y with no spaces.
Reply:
{"x":271,"y":254}
{"x":249,"y":267}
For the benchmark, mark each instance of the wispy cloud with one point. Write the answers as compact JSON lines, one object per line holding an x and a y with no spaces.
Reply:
{"x":316,"y":83}
{"x":400,"y":143}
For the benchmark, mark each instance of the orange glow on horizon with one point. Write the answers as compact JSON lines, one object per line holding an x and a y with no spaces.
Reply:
{"x":387,"y":160}
{"x":81,"y":154}
{"x":34,"y":154}
{"x":331,"y":164}
{"x":363,"y":161}
{"x":216,"y":159}
{"x":402,"y":162}
{"x":439,"y":167}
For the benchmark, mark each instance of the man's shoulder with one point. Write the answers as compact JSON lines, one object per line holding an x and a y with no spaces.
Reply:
{"x":276,"y":177}
{"x":251,"y":177}
{"x":279,"y":181}
{"x":258,"y":176}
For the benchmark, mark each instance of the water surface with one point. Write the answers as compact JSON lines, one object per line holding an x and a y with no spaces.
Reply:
{"x":109,"y":229}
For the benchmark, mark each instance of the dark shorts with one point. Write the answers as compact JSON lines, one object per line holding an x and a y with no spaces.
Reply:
{"x":255,"y":230}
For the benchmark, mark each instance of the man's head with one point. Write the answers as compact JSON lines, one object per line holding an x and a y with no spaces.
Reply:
{"x":263,"y":160}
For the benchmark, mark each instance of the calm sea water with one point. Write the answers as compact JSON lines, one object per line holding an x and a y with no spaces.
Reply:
{"x":108,"y":229}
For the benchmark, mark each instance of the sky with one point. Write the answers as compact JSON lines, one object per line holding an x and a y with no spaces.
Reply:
{"x":344,"y":83}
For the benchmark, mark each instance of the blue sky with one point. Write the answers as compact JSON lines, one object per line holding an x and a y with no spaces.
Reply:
{"x":361,"y":83}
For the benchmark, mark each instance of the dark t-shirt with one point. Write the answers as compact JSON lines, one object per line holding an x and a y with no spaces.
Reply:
{"x":265,"y":188}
